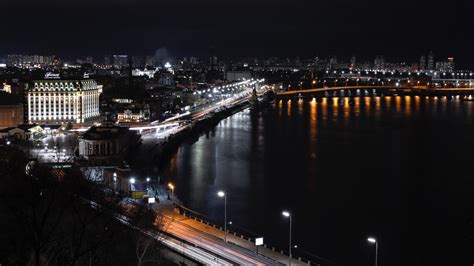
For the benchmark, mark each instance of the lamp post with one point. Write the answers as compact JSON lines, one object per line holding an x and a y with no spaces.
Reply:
{"x":288,"y":215}
{"x":374,"y":241}
{"x":171,"y":186}
{"x":223,"y":195}
{"x":132,"y":182}
{"x":115,"y":181}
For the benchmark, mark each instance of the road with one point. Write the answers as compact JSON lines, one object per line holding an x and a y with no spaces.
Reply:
{"x":214,"y":244}
{"x":190,"y":251}
{"x":237,"y":249}
{"x":54,"y":149}
{"x":158,"y":131}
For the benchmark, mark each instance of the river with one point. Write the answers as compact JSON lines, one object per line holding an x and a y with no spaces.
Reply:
{"x":399,"y":168}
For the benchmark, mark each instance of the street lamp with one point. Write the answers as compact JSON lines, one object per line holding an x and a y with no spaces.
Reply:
{"x":147,"y":183}
{"x":223,"y":195}
{"x":171,"y":186}
{"x":288,"y":215}
{"x":374,"y":241}
{"x":115,"y":181}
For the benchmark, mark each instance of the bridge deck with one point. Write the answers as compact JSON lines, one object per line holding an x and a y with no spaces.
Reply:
{"x":372,"y":87}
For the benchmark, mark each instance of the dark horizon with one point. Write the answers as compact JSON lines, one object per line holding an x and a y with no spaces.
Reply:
{"x":401,"y":32}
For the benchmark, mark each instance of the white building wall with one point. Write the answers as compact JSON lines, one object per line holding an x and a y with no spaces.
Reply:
{"x":58,"y":101}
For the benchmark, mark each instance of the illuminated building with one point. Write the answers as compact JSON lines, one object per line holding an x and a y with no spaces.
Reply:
{"x":24,"y":61}
{"x":134,"y":113}
{"x":238,"y":75}
{"x":120,"y":61}
{"x":422,"y":65}
{"x":446,"y":66}
{"x":7,"y":88}
{"x":379,"y":62}
{"x":353,"y":62}
{"x":59,"y":101}
{"x":431,"y":61}
{"x":450,"y":64}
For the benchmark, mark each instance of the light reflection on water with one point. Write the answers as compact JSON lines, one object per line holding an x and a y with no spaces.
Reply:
{"x":327,"y":163}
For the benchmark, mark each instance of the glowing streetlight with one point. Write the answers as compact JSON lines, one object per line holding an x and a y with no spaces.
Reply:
{"x":171,"y":186}
{"x":223,"y":195}
{"x":372,"y":240}
{"x":288,"y":215}
{"x":132,"y":180}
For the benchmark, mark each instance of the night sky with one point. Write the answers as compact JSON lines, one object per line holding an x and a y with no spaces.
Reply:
{"x":401,"y":29}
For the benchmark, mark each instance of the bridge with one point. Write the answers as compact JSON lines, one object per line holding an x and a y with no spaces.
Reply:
{"x":326,"y":91}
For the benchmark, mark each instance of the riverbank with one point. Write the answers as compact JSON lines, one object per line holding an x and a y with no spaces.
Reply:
{"x":192,"y":131}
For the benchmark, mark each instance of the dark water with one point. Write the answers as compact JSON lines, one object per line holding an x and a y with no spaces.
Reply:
{"x":397,"y":168}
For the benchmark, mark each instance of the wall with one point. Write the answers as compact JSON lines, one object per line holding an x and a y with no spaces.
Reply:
{"x":11,"y":115}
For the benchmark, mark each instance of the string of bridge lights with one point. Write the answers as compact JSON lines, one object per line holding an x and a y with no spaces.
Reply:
{"x":398,"y":72}
{"x":229,"y":87}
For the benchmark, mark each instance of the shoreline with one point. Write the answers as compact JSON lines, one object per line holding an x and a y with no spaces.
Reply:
{"x":193,"y":131}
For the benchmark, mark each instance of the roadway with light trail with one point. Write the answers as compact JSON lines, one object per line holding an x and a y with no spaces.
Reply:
{"x":191,"y":251}
{"x":214,"y":244}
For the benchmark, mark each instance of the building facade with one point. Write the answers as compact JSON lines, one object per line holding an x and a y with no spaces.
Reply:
{"x":238,"y":75}
{"x":60,"y":101}
{"x":134,"y":113}
{"x":107,"y":144}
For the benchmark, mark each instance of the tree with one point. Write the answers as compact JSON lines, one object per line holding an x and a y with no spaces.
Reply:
{"x":66,"y":221}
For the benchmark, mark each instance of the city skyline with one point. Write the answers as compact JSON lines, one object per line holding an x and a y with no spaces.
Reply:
{"x":276,"y":28}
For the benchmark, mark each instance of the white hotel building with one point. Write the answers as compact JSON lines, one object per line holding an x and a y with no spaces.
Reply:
{"x":60,"y":101}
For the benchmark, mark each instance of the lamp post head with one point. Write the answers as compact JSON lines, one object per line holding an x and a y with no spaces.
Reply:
{"x":221,"y":194}
{"x":286,"y":213}
{"x":132,"y":180}
{"x":171,"y":186}
{"x":372,"y":240}
{"x":147,"y":179}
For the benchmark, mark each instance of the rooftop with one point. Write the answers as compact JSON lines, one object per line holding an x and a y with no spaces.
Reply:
{"x":104,"y":132}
